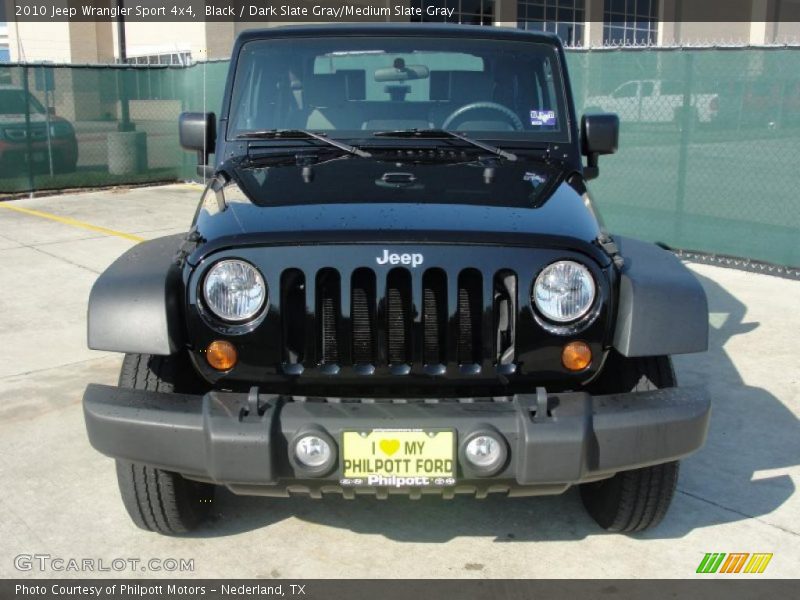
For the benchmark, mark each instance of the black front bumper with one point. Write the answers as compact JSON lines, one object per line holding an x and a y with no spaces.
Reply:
{"x":242,"y":440}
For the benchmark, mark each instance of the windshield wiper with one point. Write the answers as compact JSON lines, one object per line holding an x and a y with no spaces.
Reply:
{"x":278,"y":134}
{"x":438,"y":134}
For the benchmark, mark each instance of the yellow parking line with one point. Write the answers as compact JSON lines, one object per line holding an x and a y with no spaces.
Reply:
{"x":71,"y":221}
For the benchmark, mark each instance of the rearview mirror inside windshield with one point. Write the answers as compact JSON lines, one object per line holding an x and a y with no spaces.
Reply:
{"x":400,"y":71}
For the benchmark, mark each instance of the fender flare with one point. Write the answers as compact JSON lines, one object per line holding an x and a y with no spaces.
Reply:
{"x":662,"y":308}
{"x":135,"y":306}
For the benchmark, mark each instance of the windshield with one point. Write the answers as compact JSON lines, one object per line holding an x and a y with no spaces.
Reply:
{"x":12,"y":102}
{"x":358,"y":86}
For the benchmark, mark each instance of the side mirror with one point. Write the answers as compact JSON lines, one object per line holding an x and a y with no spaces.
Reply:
{"x":198,"y":132}
{"x":599,"y":135}
{"x":51,"y":111}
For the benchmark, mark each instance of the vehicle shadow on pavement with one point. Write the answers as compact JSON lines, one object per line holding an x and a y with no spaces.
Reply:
{"x":751,"y":431}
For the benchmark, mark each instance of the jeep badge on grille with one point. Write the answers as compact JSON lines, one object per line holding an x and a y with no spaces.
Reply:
{"x":414,"y":260}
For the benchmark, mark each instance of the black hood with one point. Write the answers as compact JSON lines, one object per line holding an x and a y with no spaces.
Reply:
{"x":349,"y":179}
{"x":356,"y":200}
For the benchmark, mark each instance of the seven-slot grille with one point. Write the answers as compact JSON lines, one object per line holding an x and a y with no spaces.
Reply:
{"x":404,"y":319}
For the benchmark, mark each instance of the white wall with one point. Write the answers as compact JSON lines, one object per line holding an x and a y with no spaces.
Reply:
{"x":161,"y":38}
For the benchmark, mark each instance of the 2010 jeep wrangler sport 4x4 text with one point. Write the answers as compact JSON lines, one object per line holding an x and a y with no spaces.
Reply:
{"x":396,"y":282}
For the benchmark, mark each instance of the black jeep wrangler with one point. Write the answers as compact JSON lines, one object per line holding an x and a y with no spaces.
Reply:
{"x":396,"y":282}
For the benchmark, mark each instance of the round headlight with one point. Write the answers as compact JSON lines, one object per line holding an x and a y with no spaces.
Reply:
{"x":234,"y":290}
{"x":564,"y":291}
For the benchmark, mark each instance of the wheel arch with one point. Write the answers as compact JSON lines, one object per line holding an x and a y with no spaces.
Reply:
{"x":661,"y":308}
{"x":135,"y":306}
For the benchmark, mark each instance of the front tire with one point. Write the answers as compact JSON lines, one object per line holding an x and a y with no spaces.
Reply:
{"x":631,"y":500}
{"x":162,"y":501}
{"x":634,"y":500}
{"x":159,"y":500}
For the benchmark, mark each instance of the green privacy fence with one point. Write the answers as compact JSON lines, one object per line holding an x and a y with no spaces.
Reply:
{"x":83,"y":126}
{"x":709,"y":148}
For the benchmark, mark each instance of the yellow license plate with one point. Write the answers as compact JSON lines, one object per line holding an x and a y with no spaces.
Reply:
{"x":398,"y":458}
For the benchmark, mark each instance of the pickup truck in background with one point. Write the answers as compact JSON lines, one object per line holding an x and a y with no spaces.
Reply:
{"x":655,"y":101}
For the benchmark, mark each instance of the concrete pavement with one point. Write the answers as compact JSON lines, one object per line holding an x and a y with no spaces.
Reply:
{"x":59,"y":496}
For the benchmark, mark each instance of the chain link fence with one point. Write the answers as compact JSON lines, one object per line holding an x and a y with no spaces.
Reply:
{"x":709,"y":145}
{"x":86,"y":126}
{"x":710,"y":138}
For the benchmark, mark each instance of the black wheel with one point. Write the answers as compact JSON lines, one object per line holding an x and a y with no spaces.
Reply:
{"x":62,"y":166}
{"x":65,"y":161}
{"x":621,"y":375}
{"x":633,"y":500}
{"x":161,"y":374}
{"x":159,"y":500}
{"x":162,"y":501}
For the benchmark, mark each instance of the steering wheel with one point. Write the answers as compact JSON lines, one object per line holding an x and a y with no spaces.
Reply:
{"x":510,"y":115}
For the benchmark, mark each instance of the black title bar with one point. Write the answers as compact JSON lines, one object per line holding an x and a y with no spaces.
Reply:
{"x":735,"y":588}
{"x":349,"y":11}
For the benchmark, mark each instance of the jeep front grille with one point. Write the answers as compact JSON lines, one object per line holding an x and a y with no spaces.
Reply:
{"x":362,"y":310}
{"x":328,"y":310}
{"x":425,"y":321}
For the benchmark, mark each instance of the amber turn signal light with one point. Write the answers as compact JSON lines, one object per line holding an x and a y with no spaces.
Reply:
{"x":576,"y":356}
{"x":221,"y":355}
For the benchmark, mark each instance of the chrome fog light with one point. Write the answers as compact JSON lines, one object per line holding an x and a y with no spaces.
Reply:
{"x":485,"y":453}
{"x":313,"y":452}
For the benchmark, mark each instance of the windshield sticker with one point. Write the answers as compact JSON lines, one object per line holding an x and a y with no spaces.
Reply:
{"x":543,"y":117}
{"x":535,"y":179}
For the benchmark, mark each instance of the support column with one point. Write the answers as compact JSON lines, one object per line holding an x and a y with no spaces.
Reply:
{"x":594,"y":21}
{"x":505,"y":13}
{"x":763,"y":21}
{"x":669,"y":23}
